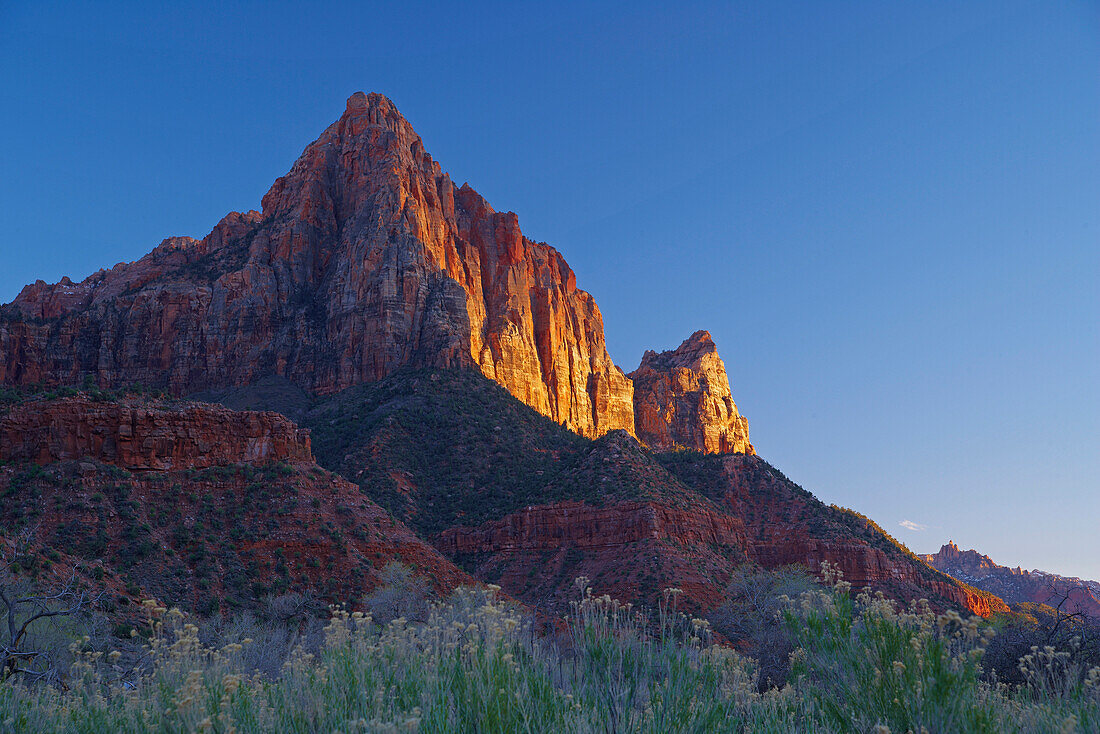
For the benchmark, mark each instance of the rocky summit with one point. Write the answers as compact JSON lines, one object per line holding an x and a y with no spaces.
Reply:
{"x":365,"y":258}
{"x":682,"y":400}
{"x":445,"y":365}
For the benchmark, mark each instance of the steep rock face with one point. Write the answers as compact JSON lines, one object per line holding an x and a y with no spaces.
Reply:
{"x":143,"y":437}
{"x":1016,"y":585}
{"x":682,"y":399}
{"x":366,"y":258}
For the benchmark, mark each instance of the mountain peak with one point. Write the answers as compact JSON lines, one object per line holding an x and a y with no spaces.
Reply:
{"x":1015,"y":584}
{"x":361,"y":100}
{"x":682,"y":399}
{"x":380,"y":104}
{"x":366,"y":259}
{"x":701,"y":337}
{"x":691,"y":353}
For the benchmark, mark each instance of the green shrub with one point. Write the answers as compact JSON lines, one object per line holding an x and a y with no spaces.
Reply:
{"x":475,"y":664}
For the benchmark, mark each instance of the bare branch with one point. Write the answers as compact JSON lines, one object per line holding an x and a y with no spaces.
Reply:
{"x":23,"y":613}
{"x":76,"y":607}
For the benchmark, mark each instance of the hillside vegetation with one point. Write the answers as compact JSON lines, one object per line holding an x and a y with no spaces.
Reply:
{"x":441,"y":448}
{"x":471,"y":664}
{"x":455,"y":456}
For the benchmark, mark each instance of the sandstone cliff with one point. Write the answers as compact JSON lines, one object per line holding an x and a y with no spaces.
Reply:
{"x":213,"y":506}
{"x":366,"y":258}
{"x":137,"y":436}
{"x":682,"y":399}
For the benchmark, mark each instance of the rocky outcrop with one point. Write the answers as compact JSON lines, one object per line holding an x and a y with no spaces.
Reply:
{"x":575,"y":524}
{"x":784,"y":524}
{"x":137,"y":436}
{"x":682,"y":400}
{"x":184,"y":531}
{"x":366,"y":258}
{"x":1016,"y":585}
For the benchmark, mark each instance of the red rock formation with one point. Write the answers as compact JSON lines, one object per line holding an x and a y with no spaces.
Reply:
{"x":575,"y":524}
{"x":785,"y":524}
{"x":197,"y":538}
{"x":682,"y":400}
{"x":630,"y":550}
{"x":305,"y":530}
{"x":1016,"y":585}
{"x":142,"y":437}
{"x":694,"y":549}
{"x":723,"y":512}
{"x":366,"y":258}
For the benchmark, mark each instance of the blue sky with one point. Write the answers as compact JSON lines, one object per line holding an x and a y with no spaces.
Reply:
{"x":885,"y":213}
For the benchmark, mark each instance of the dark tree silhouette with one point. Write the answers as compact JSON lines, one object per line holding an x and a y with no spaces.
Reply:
{"x":24,"y":610}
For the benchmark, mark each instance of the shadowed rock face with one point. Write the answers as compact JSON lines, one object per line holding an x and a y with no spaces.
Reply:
{"x":137,"y":436}
{"x":682,"y":400}
{"x":366,"y":258}
{"x":517,"y":500}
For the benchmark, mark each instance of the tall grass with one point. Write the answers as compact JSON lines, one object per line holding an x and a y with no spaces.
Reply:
{"x":475,"y":665}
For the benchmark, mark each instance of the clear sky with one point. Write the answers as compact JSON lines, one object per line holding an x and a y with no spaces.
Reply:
{"x":885,"y":213}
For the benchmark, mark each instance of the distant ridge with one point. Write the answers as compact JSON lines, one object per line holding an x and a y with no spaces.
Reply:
{"x":1015,"y":585}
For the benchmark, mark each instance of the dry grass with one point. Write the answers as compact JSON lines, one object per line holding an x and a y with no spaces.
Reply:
{"x":474,"y":665}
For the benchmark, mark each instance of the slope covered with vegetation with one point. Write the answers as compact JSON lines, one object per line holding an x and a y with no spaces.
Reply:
{"x":450,"y":447}
{"x":495,"y":484}
{"x":471,"y":664}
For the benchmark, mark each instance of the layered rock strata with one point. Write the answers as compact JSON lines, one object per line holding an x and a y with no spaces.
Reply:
{"x":135,"y":436}
{"x":365,"y":258}
{"x":682,"y":400}
{"x":745,"y":512}
{"x":217,"y":507}
{"x":575,"y":524}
